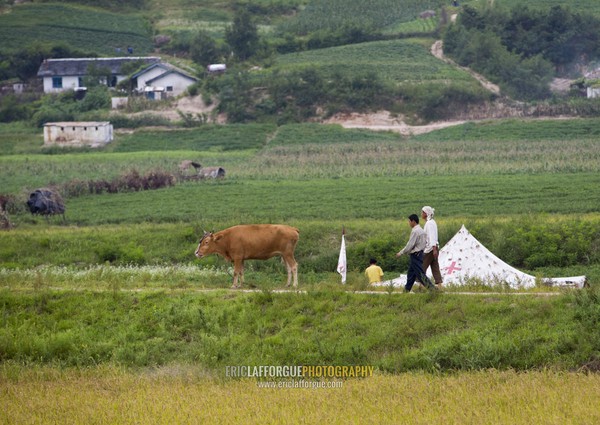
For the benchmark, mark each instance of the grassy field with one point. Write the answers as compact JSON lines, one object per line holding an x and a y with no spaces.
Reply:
{"x":108,"y":318}
{"x":583,"y":6}
{"x":112,"y":304}
{"x":319,"y":178}
{"x":83,"y":28}
{"x":162,"y":396}
{"x":397,"y":61}
{"x":335,"y":14}
{"x":102,"y":323}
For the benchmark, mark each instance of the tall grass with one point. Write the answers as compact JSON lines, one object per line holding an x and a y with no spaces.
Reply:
{"x":162,"y":396}
{"x":317,"y":151}
{"x":392,"y":333}
{"x":546,"y":245}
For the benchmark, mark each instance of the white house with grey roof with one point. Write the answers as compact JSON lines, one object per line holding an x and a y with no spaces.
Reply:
{"x":162,"y":80}
{"x":69,"y":73}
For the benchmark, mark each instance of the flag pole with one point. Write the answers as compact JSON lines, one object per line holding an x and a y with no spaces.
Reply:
{"x":342,"y":264}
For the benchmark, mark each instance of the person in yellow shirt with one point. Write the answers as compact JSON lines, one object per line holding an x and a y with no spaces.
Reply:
{"x":374,"y":272}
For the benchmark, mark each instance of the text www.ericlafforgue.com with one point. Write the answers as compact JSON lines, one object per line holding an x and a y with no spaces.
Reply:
{"x":300,"y":383}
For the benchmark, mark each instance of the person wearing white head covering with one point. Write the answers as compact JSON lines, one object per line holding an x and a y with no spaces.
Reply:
{"x":431,"y":251}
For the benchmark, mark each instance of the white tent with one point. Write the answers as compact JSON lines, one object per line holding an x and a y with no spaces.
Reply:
{"x":464,"y":259}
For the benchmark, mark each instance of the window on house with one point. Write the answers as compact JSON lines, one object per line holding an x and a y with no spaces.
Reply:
{"x":169,"y":88}
{"x":57,"y":82}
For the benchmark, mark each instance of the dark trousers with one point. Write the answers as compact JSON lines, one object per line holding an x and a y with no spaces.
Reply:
{"x":415,"y":271}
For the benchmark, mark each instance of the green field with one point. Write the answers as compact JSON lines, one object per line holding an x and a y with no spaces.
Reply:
{"x":517,"y":185}
{"x":107,"y":316}
{"x":393,"y":333}
{"x":583,"y":6}
{"x":397,"y":61}
{"x":335,"y":14}
{"x":83,"y":28}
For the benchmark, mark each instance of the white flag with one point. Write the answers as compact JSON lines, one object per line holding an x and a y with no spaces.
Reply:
{"x":341,"y":267}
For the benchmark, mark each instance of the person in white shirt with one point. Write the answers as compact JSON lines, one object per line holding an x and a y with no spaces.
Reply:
{"x":431,"y":251}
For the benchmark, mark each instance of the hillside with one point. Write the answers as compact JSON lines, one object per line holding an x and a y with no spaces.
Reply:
{"x":382,"y":61}
{"x":86,"y":29}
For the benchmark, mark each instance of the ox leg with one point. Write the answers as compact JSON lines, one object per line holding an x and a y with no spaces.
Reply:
{"x":238,"y":273}
{"x":289,"y":271}
{"x":292,"y":269}
{"x":295,"y":273}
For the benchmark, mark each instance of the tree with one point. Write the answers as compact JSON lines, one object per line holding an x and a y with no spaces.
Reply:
{"x":242,"y":35}
{"x":204,"y":50}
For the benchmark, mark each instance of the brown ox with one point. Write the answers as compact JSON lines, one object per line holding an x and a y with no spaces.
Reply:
{"x":252,"y":242}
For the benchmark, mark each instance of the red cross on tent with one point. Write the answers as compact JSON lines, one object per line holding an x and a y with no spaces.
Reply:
{"x":451,"y":268}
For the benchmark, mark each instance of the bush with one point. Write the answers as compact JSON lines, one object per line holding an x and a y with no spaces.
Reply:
{"x":144,"y":120}
{"x":12,"y":109}
{"x":439,"y":101}
{"x":96,"y":98}
{"x":131,"y":181}
{"x":130,"y":254}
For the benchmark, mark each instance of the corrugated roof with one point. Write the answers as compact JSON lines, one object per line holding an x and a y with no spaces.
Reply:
{"x":168,"y":70}
{"x":79,"y":66}
{"x":173,"y":71}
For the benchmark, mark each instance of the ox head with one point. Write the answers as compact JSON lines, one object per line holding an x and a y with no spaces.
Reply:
{"x":206,"y":245}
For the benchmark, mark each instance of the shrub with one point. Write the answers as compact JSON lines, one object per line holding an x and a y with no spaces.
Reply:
{"x":96,"y":98}
{"x":11,"y":109}
{"x":144,"y":120}
{"x":131,"y":181}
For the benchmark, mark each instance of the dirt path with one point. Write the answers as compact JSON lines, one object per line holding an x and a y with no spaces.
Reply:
{"x":396,"y":291}
{"x":384,"y":121}
{"x":438,"y":51}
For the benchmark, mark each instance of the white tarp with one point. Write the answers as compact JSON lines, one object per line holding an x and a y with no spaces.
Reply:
{"x":464,"y":259}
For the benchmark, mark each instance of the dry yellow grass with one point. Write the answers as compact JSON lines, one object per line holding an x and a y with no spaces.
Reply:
{"x":179,"y":396}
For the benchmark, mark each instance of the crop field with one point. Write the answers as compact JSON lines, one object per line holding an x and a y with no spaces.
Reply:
{"x":334,"y":14}
{"x":583,"y":6}
{"x":82,"y":28}
{"x":163,"y":397}
{"x":418,"y":26}
{"x":108,"y":317}
{"x":112,"y":306}
{"x":141,"y":356}
{"x":397,"y":61}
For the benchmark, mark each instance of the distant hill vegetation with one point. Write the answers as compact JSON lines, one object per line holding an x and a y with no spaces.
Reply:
{"x":293,"y":60}
{"x":82,"y":28}
{"x":121,"y":5}
{"x":523,"y":49}
{"x":372,"y":14}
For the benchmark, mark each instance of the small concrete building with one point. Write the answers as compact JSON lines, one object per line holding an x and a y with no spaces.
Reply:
{"x":593,"y":92}
{"x":93,"y":133}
